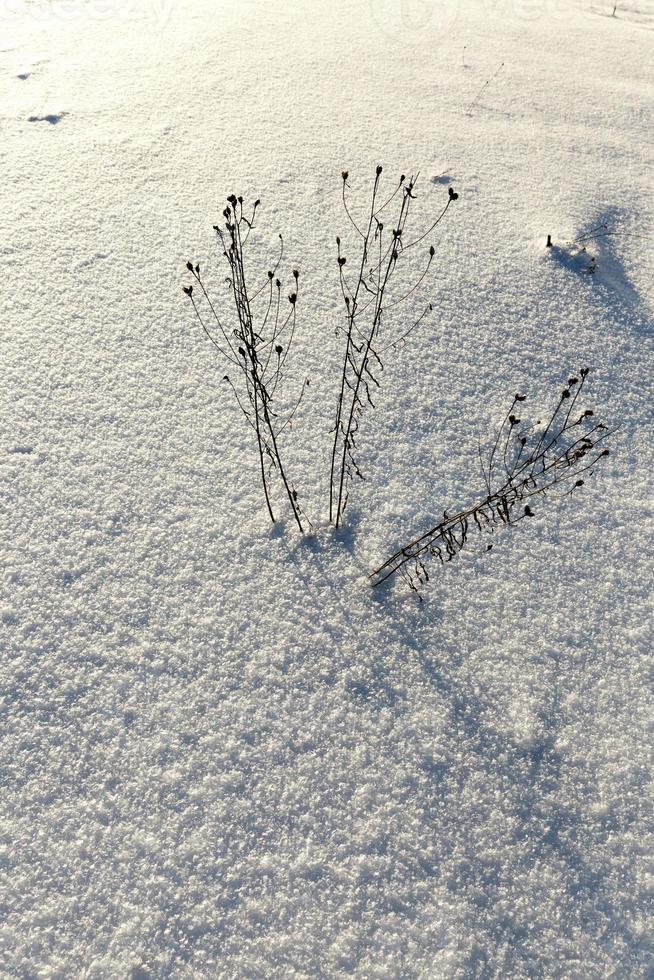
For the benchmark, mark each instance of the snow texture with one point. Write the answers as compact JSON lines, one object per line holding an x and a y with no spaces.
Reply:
{"x":224,"y":754}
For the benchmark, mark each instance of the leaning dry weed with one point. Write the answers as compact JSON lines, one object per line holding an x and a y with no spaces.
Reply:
{"x":525,"y":463}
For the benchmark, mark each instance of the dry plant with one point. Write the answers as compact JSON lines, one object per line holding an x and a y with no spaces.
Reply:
{"x":525,"y":463}
{"x":257,"y":347}
{"x":366,"y":294}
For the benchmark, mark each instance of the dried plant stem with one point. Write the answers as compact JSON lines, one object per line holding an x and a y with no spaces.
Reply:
{"x":351,"y":304}
{"x":255,"y":350}
{"x":366,"y":307}
{"x":534,"y":464}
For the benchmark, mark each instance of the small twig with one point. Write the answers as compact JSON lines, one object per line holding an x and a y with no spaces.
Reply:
{"x":482,"y":89}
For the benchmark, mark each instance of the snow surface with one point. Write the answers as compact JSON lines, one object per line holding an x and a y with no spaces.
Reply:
{"x":223,"y":754}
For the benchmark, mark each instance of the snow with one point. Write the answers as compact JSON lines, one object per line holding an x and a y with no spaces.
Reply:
{"x":223,"y":754}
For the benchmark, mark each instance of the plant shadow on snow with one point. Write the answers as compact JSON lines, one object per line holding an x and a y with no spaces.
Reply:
{"x":52,"y":118}
{"x":536,"y":782}
{"x":594,"y":254}
{"x":323,"y":537}
{"x":544,"y":795}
